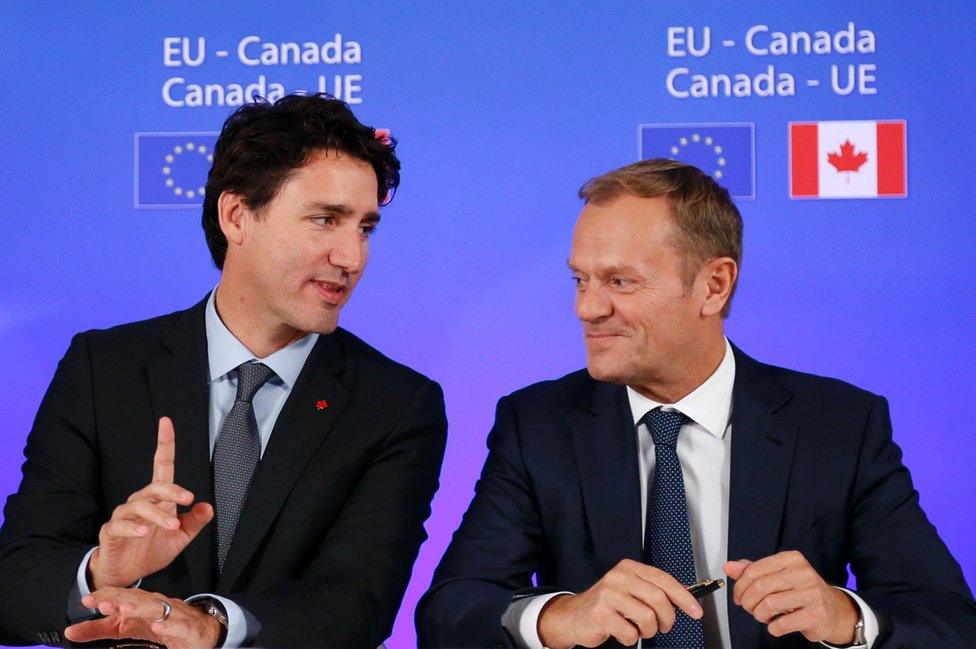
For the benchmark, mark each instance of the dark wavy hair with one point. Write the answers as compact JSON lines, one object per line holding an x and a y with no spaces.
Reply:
{"x":262,"y":143}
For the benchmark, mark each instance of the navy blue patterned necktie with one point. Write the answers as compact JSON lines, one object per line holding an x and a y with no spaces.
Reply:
{"x":667,"y":534}
{"x":236,"y":455}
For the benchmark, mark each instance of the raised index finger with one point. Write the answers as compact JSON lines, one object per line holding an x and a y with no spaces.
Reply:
{"x":165,"y":458}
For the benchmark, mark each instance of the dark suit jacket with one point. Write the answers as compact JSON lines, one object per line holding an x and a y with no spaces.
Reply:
{"x":813,"y":468}
{"x":334,"y":517}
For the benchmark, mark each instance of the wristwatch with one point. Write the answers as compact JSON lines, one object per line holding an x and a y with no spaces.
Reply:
{"x":214,"y":609}
{"x":859,"y":638}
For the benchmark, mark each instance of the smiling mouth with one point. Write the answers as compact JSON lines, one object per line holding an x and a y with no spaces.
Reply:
{"x":600,"y":335}
{"x":601,"y":339}
{"x":331,"y":292}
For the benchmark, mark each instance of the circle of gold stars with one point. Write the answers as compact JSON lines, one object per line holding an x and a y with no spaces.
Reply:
{"x":179,"y":150}
{"x":708,"y":141}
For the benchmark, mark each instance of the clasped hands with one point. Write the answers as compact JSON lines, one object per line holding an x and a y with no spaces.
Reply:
{"x":144,"y":535}
{"x":634,"y":601}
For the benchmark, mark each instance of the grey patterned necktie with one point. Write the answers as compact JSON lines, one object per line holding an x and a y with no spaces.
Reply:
{"x":236,"y":454}
{"x":667,"y":536}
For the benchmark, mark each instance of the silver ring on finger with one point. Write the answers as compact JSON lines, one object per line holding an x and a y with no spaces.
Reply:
{"x":167,"y":609}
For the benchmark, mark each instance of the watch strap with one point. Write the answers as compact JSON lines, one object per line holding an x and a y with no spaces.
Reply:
{"x":214,"y":609}
{"x":859,"y":637}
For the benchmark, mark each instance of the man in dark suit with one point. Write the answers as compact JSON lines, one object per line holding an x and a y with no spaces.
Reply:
{"x":674,"y":458}
{"x":311,"y":458}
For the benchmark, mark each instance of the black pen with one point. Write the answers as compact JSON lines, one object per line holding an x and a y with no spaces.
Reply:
{"x":705,"y":587}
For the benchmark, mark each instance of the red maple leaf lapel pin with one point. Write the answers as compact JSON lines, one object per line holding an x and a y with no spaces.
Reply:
{"x":321,"y":404}
{"x":847,"y":160}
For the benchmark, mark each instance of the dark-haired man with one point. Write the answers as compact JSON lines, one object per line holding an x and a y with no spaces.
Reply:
{"x":243,"y":471}
{"x":675,"y":458}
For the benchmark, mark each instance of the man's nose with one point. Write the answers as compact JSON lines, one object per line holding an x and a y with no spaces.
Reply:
{"x":592,"y":304}
{"x":349,"y":251}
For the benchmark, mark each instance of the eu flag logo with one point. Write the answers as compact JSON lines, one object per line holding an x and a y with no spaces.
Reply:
{"x":171,"y":168}
{"x":726,"y":151}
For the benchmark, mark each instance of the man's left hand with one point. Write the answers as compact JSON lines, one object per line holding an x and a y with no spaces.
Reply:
{"x":786,"y":594}
{"x":133,"y":613}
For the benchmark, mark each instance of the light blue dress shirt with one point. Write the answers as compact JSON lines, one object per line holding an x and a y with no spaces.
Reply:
{"x":224,"y":354}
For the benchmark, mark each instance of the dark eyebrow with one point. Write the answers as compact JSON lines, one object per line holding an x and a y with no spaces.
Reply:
{"x":334,"y":208}
{"x":341,"y":209}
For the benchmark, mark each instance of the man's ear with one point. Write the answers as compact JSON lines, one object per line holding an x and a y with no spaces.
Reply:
{"x":719,"y":275}
{"x":231,"y":212}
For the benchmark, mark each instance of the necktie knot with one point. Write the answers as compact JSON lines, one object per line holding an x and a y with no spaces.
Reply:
{"x":250,"y":377}
{"x":664,"y":425}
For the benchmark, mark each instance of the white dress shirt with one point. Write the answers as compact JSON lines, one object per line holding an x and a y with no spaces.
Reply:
{"x":704,"y":449}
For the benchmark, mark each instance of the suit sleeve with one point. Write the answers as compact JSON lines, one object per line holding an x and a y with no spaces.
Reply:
{"x":904,"y":571}
{"x":493,"y":554}
{"x":351,"y":589}
{"x":53,"y":518}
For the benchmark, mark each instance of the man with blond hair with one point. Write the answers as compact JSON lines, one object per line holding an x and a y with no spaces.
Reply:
{"x":674,"y":458}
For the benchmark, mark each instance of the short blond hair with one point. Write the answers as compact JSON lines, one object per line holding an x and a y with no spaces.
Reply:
{"x":709,"y":223}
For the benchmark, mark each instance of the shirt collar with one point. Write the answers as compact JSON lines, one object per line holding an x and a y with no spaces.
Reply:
{"x":709,"y":405}
{"x":225,"y":352}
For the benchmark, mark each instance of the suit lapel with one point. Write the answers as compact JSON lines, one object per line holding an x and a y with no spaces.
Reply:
{"x":762,"y":457}
{"x":605,"y":447}
{"x":301,"y":427}
{"x":178,"y":376}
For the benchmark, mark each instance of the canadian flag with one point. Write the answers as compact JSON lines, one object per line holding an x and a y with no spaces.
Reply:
{"x":857,"y":159}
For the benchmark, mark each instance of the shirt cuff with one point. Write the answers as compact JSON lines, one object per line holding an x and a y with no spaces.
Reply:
{"x":870,"y":622}
{"x":77,"y":611}
{"x":521,"y":619}
{"x":242,"y":627}
{"x":82,"y":576}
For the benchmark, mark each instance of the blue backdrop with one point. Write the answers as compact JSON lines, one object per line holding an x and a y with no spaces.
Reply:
{"x":502,"y":111}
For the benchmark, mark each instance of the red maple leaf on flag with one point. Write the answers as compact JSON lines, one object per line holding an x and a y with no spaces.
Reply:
{"x":847,"y":161}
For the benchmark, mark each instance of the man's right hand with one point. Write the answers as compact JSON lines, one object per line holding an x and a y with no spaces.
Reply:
{"x":145,"y":533}
{"x":630,"y":602}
